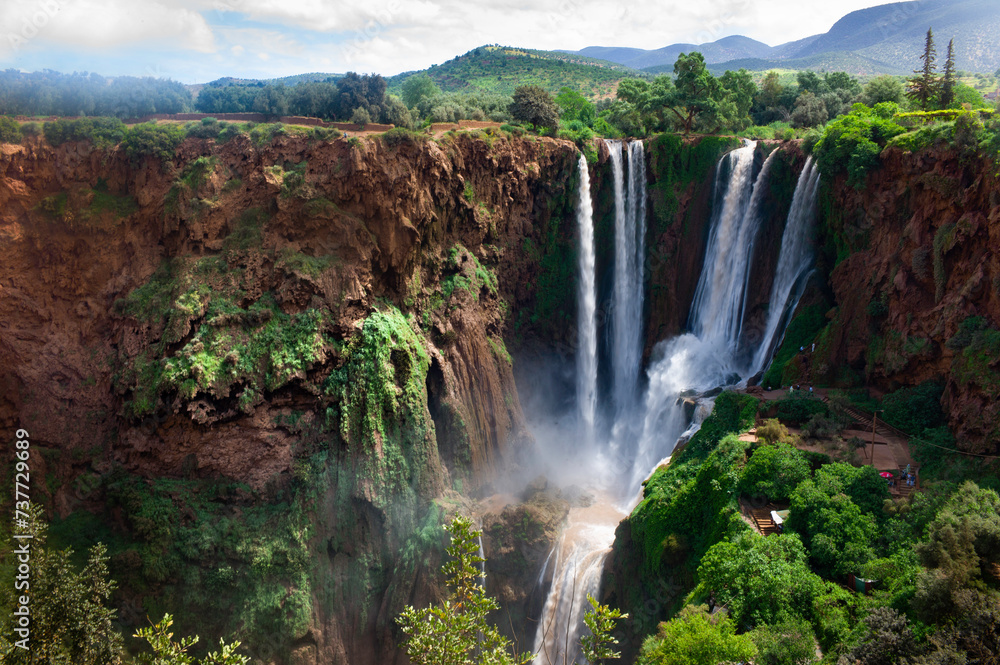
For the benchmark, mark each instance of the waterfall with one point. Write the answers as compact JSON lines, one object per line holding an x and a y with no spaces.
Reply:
{"x":681,"y":368}
{"x":586,"y":355}
{"x":717,"y":310}
{"x":579,"y":561}
{"x":793,"y":263}
{"x":706,"y":357}
{"x":590,"y":532}
{"x":630,"y":231}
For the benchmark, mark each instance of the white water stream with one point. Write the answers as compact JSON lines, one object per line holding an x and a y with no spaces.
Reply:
{"x":586,"y":356}
{"x":681,"y":368}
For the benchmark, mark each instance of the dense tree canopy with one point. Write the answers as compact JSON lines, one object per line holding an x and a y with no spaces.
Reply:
{"x":760,"y":580}
{"x":532,"y":104}
{"x":574,"y":106}
{"x":52,"y":93}
{"x":695,"y":637}
{"x":417,"y":88}
{"x":774,"y":471}
{"x":331,"y":99}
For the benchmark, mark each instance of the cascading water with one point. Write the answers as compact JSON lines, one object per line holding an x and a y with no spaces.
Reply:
{"x":579,"y":560}
{"x":630,"y":232}
{"x":692,"y":363}
{"x":636,"y":224}
{"x":586,"y":357}
{"x":707,"y":357}
{"x":794,"y":262}
{"x":717,"y":309}
{"x":590,"y":531}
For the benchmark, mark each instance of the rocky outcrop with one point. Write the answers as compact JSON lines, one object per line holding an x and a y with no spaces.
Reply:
{"x":916,"y":283}
{"x":320,"y":325}
{"x":519,"y":536}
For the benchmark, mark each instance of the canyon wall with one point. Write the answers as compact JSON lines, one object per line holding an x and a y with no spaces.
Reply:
{"x":909,"y":279}
{"x":266,"y":374}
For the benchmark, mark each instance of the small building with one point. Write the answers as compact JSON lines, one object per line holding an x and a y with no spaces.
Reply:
{"x":860,"y":585}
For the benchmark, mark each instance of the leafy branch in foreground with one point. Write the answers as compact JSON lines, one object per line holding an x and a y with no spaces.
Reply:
{"x":601,"y":621}
{"x":457,"y":632}
{"x":168,"y":652}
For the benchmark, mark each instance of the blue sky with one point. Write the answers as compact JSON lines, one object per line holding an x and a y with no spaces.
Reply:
{"x":195,"y":41}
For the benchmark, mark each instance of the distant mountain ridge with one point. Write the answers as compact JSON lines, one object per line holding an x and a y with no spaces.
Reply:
{"x":884,"y":39}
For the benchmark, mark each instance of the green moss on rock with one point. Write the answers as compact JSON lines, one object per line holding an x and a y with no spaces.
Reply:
{"x":381,"y":400}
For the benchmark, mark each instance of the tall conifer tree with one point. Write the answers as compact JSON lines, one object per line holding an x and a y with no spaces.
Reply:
{"x":924,"y":86}
{"x":948,"y":80}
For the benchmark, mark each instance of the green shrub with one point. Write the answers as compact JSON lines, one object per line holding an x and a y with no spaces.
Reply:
{"x":515,"y":130}
{"x":102,"y":132}
{"x":54,"y":206}
{"x":820,"y":426}
{"x":694,"y":637}
{"x":773,"y":471}
{"x":604,"y":128}
{"x":293,"y":179}
{"x":878,"y":309}
{"x":400,"y":136}
{"x":360,"y":116}
{"x":228,"y":131}
{"x":798,"y":407}
{"x":325,"y":133}
{"x":197,"y":171}
{"x":978,"y":361}
{"x":771,"y":431}
{"x":153,"y":140}
{"x":261,"y":135}
{"x":578,"y":133}
{"x":967,"y":330}
{"x":852,"y":143}
{"x":207,"y":128}
{"x":915,"y":409}
{"x":810,"y":140}
{"x":789,"y":642}
{"x":31,"y":129}
{"x":924,"y":137}
{"x":10,"y":131}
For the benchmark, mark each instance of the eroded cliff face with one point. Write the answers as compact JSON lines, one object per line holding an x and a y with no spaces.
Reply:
{"x":915,"y":279}
{"x":274,"y":370}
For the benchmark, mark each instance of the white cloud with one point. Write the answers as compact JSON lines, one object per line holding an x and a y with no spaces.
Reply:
{"x":103,"y":24}
{"x":390,"y":36}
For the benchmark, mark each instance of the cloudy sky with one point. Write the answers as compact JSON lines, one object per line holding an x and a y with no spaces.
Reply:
{"x":200,"y":40}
